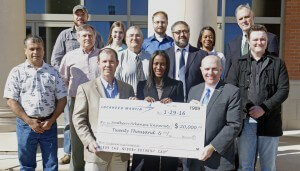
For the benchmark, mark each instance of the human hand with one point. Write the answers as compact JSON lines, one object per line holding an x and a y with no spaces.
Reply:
{"x":149,"y":99}
{"x":166,"y":100}
{"x":207,"y":152}
{"x":35,"y":125}
{"x":133,"y":98}
{"x":93,"y":147}
{"x":46,"y":125}
{"x":256,"y":112}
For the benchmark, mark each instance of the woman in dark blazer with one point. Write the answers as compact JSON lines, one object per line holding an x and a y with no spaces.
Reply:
{"x":158,"y":87}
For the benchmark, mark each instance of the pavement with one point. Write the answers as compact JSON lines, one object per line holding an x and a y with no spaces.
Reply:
{"x":288,"y":158}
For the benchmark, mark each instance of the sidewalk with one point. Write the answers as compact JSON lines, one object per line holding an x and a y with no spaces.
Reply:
{"x":288,"y":152}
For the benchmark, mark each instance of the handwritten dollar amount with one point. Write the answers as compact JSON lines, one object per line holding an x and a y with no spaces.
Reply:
{"x":186,"y":126}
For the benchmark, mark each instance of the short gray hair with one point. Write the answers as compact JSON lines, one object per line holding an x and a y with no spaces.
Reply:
{"x":33,"y":39}
{"x":247,"y":6}
{"x":85,"y":27}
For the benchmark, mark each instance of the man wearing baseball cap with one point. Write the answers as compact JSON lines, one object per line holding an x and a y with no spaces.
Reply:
{"x":65,"y":42}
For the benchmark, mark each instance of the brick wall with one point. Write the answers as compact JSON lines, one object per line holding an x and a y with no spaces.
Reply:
{"x":292,"y":38}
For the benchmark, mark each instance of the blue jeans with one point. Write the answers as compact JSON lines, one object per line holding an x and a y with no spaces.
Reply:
{"x":249,"y":144}
{"x":28,"y":142}
{"x":67,"y":138}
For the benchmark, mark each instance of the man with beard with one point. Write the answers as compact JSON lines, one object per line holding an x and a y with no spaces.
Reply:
{"x":185,"y":60}
{"x":160,"y":40}
{"x":65,"y":42}
{"x":77,"y":67}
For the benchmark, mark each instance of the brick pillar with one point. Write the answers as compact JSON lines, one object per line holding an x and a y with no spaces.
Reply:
{"x":291,"y":56}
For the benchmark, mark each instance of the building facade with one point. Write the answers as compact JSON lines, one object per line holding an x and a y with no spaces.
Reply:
{"x":48,"y":18}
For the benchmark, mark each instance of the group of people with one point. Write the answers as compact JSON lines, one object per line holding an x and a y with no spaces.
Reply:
{"x":242,"y":90}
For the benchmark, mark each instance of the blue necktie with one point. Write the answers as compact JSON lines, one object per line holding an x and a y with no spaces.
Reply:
{"x":182,"y":70}
{"x":205,"y":99}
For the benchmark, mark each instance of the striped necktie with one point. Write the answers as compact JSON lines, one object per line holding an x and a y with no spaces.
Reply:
{"x":206,"y":97}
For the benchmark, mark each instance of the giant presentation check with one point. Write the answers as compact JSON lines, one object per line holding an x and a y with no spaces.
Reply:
{"x":139,"y":127}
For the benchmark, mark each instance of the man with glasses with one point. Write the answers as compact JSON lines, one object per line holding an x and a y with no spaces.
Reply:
{"x":185,"y":60}
{"x":134,"y":62}
{"x":160,"y":40}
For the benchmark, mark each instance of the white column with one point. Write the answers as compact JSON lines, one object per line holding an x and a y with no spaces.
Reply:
{"x":197,"y":13}
{"x":12,"y":34}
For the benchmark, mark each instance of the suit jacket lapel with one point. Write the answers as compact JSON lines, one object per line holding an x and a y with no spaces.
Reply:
{"x":152,"y":92}
{"x":100,"y":88}
{"x":171,"y":53}
{"x":217,"y":92}
{"x":191,"y":58}
{"x":167,"y":89}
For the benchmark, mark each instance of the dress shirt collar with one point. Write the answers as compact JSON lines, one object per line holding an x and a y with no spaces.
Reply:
{"x":153,"y":38}
{"x":83,"y":51}
{"x":106,"y":84}
{"x":131,"y":53}
{"x":28,"y":65}
{"x":212,"y":88}
{"x":123,"y":47}
{"x":186,"y":47}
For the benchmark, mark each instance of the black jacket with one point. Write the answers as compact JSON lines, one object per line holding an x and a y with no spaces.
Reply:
{"x":273,"y":90}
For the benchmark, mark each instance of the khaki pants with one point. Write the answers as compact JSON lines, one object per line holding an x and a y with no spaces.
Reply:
{"x":115,"y":164}
{"x":77,"y":161}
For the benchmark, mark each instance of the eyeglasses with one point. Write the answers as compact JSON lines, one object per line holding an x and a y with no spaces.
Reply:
{"x":181,"y":31}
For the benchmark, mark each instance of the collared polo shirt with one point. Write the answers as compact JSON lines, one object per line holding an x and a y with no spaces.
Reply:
{"x":36,"y":90}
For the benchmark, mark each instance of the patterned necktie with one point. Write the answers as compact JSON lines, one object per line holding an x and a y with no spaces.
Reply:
{"x":205,"y":99}
{"x":182,"y":69}
{"x":245,"y":49}
{"x":139,"y":67}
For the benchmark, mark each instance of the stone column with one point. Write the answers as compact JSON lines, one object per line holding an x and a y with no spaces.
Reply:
{"x":13,"y":22}
{"x":197,"y":13}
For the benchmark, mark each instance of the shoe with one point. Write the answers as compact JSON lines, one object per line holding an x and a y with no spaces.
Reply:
{"x":65,"y":159}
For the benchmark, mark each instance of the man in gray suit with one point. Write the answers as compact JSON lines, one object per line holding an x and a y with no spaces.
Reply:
{"x":223,"y":117}
{"x":85,"y":115}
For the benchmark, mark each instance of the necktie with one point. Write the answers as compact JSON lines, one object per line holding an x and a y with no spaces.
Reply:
{"x":139,"y":68}
{"x":182,"y":70}
{"x":205,"y":99}
{"x":245,"y":49}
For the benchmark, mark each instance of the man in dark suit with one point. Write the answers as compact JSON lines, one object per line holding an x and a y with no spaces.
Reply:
{"x":185,"y":60}
{"x":223,"y":117}
{"x":235,"y":48}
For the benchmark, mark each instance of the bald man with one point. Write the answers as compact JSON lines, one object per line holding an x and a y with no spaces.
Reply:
{"x":223,"y":118}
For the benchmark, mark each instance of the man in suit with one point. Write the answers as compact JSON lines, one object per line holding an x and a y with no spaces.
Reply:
{"x":223,"y":118}
{"x":85,"y":115}
{"x":238,"y":47}
{"x":185,"y":60}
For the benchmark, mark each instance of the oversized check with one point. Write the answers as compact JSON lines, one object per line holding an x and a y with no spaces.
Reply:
{"x":139,"y":127}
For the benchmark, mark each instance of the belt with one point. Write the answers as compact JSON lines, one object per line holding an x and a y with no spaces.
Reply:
{"x":42,"y":118}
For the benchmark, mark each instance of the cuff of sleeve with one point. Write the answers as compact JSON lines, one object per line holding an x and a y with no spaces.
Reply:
{"x":212,"y":147}
{"x":265,"y":108}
